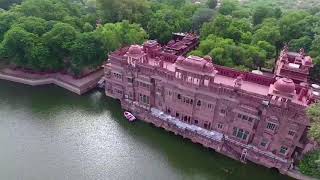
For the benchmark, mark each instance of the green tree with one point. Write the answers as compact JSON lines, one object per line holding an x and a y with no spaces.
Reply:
{"x":212,"y":4}
{"x":262,"y":12}
{"x":201,"y":16}
{"x":6,"y":20}
{"x":87,"y":51}
{"x":165,"y":22}
{"x":269,"y":31}
{"x":238,"y":29}
{"x":303,"y":42}
{"x":242,"y":13}
{"x":217,"y":27}
{"x":268,"y":48}
{"x":116,"y":35}
{"x":5,"y":4}
{"x":59,"y":41}
{"x":45,"y":9}
{"x":255,"y":56}
{"x":25,"y":49}
{"x":310,"y":164}
{"x":118,"y":10}
{"x":32,"y":24}
{"x":313,"y":113}
{"x":87,"y":27}
{"x":296,"y":24}
{"x":228,"y":6}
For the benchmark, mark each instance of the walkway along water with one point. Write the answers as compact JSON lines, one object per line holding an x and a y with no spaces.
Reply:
{"x":78,"y":86}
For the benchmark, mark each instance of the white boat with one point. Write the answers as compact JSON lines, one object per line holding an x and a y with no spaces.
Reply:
{"x":129,"y":116}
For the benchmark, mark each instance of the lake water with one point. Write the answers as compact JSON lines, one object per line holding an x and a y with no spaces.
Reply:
{"x":48,"y":133}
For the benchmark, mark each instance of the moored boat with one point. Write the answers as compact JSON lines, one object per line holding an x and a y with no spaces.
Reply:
{"x":129,"y":116}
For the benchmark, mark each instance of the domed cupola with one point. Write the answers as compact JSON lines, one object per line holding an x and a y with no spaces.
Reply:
{"x":282,"y":91}
{"x":284,"y":85}
{"x":135,"y":50}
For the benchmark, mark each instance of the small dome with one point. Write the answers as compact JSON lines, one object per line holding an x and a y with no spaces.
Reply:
{"x":171,"y":42}
{"x":308,"y":60}
{"x":285,"y":85}
{"x":207,"y":58}
{"x":180,"y":59}
{"x":135,"y":49}
{"x":208,"y":67}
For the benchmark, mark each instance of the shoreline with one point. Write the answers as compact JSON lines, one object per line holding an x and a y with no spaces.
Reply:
{"x":78,"y":86}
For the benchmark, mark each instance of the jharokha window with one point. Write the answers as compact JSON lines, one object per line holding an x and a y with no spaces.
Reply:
{"x":283,"y":150}
{"x":240,"y":133}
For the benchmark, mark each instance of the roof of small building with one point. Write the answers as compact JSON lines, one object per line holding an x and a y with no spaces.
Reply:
{"x":195,"y":63}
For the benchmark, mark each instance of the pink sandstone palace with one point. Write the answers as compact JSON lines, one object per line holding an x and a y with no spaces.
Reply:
{"x":254,"y":116}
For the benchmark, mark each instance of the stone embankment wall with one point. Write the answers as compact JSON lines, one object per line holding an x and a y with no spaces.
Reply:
{"x":226,"y":147}
{"x":78,"y":86}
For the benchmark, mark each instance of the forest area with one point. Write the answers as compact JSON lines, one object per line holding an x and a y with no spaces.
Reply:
{"x":76,"y":35}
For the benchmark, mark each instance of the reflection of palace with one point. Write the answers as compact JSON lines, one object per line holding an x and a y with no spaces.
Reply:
{"x":247,"y":116}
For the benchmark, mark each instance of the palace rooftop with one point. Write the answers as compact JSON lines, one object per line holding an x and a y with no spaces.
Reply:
{"x":288,"y":83}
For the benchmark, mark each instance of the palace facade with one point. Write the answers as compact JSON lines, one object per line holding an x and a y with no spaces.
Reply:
{"x":254,"y":116}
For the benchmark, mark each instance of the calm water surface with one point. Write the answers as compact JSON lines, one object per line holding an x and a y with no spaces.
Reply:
{"x":49,"y":133}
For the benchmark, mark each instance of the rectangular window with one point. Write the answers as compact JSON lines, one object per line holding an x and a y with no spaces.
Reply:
{"x":206,"y":125}
{"x":271,"y":126}
{"x":220,"y":126}
{"x":291,"y":133}
{"x":199,"y":103}
{"x":245,"y":118}
{"x":283,"y":150}
{"x":240,"y":133}
{"x":130,"y":80}
{"x":179,"y":96}
{"x":196,"y":122}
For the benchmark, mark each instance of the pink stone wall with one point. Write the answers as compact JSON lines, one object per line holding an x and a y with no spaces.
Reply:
{"x":245,"y":114}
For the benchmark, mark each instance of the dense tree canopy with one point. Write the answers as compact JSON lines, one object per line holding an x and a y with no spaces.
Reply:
{"x":260,"y":29}
{"x":54,"y":35}
{"x":310,"y":165}
{"x":246,"y":35}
